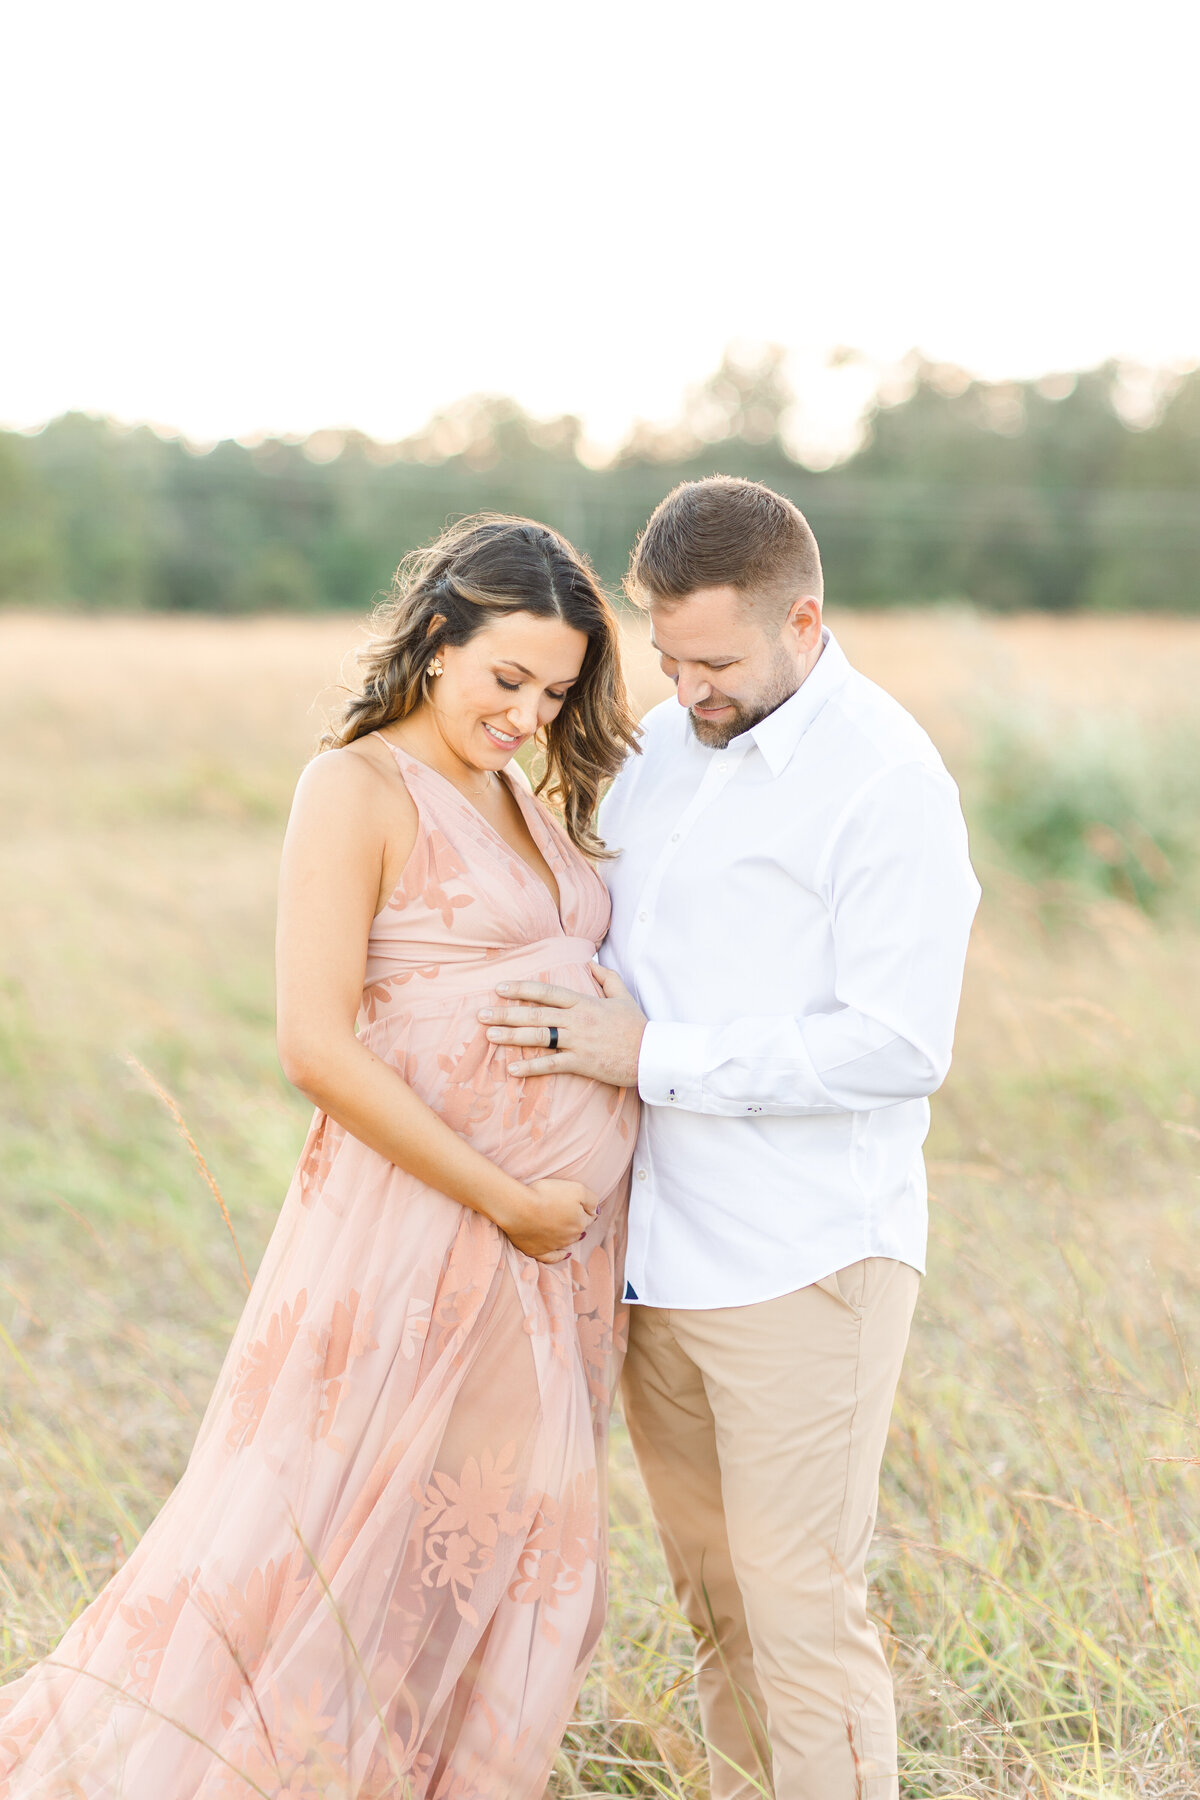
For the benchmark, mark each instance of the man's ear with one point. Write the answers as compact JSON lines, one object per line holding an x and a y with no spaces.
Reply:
{"x":803,"y":623}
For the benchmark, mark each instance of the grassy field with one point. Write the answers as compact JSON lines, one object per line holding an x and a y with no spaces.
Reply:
{"x":1038,"y":1559}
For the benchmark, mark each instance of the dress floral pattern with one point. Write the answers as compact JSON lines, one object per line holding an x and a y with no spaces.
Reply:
{"x":382,"y":1575}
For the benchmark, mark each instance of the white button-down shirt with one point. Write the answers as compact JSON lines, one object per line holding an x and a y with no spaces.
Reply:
{"x":792,"y":913}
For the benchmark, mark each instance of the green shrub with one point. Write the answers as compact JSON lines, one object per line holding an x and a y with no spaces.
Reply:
{"x":1103,"y":805}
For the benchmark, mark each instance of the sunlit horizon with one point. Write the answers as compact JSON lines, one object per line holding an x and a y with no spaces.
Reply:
{"x":266,"y":222}
{"x":827,"y":425}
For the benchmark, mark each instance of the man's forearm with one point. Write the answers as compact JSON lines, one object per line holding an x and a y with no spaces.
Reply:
{"x":779,"y":1065}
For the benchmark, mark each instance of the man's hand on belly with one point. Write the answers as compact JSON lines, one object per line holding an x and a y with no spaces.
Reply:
{"x":596,"y":1038}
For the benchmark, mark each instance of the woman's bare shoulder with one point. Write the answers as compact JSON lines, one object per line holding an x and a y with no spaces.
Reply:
{"x":359,"y":783}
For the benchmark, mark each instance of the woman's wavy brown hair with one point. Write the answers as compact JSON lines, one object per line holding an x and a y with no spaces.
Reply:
{"x":477,"y":571}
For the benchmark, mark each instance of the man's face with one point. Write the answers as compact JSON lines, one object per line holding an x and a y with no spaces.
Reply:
{"x":732,"y":661}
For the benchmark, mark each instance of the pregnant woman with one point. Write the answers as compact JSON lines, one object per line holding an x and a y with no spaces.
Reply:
{"x":383,"y":1572}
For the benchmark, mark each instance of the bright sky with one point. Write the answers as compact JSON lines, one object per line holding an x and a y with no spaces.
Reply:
{"x":244,"y":215}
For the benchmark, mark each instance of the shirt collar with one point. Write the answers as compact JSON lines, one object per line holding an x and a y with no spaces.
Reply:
{"x":779,"y":733}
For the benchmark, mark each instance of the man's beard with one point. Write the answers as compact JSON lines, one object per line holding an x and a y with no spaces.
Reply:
{"x":780,"y":685}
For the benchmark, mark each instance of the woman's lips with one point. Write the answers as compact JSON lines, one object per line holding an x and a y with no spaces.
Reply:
{"x":502,"y":739}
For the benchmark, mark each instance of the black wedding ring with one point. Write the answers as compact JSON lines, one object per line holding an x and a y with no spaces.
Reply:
{"x":553,"y":1037}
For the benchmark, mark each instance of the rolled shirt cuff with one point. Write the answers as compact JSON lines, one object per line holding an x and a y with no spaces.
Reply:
{"x":671,"y":1065}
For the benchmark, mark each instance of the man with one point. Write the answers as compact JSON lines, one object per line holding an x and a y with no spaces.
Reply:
{"x":791,"y":907}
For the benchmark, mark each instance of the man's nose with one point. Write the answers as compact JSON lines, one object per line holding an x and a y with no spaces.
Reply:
{"x":693,"y":688}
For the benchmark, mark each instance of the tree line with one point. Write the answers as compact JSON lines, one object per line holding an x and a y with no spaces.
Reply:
{"x":1068,"y":493}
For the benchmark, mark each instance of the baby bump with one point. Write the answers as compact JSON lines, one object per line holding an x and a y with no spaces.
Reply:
{"x":535,"y":1127}
{"x":564,"y":1125}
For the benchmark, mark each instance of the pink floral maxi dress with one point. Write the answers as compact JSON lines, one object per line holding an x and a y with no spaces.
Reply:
{"x":383,"y":1572}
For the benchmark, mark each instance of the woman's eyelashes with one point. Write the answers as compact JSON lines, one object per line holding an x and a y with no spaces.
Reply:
{"x":514,"y":687}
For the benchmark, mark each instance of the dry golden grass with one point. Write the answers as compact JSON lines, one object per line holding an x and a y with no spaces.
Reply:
{"x":1037,"y":1558}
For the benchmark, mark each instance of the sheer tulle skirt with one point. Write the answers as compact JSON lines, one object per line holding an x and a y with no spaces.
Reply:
{"x":383,"y":1572}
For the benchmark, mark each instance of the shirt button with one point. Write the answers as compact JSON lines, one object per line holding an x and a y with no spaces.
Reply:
{"x":720,"y":768}
{"x":642,"y":917}
{"x":674,"y":837}
{"x":641,"y":1174}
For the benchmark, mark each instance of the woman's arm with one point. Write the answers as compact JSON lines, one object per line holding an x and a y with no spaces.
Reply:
{"x":348,"y":821}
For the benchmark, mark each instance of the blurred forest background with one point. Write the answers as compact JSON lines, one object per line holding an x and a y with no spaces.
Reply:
{"x":1072,"y":492}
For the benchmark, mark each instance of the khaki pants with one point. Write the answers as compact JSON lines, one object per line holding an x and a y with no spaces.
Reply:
{"x":759,"y":1431}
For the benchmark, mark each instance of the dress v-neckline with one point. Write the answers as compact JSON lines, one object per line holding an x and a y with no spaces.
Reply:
{"x":529,"y":816}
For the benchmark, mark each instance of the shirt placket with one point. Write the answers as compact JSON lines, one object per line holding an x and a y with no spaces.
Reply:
{"x":715,"y":780}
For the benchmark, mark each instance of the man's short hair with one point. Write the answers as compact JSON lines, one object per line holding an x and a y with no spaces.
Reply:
{"x":725,"y":532}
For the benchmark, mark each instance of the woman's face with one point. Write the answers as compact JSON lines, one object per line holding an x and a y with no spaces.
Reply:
{"x":512,"y":678}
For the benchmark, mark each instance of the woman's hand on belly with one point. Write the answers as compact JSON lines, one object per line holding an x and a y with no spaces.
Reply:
{"x":553,"y":1219}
